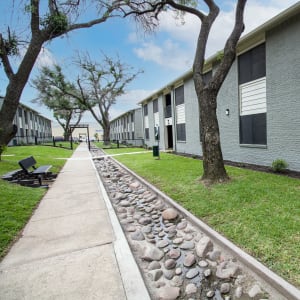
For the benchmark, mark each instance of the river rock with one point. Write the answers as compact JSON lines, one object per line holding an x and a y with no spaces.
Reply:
{"x":169,"y":274}
{"x":137,"y":236}
{"x":134,"y":185}
{"x":203,"y":263}
{"x":255,"y":291}
{"x":178,"y":240}
{"x":181,"y":225}
{"x":225,"y":288}
{"x":170,"y":264}
{"x":190,"y":289}
{"x":192,"y":273}
{"x":162,"y":244}
{"x":155,"y":274}
{"x":189,"y":260}
{"x":226,"y":270}
{"x":124,"y":203}
{"x":168,"y":293}
{"x":145,"y":220}
{"x":177,"y":281}
{"x":187,"y":245}
{"x":203,"y":246}
{"x":152,"y":253}
{"x":170,"y":214}
{"x":174,"y":253}
{"x":154,"y":265}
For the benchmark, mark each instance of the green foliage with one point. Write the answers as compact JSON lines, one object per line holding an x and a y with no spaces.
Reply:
{"x":11,"y":44}
{"x":56,"y":23}
{"x":279,"y":165}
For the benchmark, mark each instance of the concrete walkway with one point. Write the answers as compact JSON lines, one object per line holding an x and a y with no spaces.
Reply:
{"x":73,"y":246}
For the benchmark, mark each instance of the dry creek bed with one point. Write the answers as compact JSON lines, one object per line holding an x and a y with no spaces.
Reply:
{"x":176,"y":259}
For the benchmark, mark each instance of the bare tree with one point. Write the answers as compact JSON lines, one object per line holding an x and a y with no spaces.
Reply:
{"x":100,"y":85}
{"x":96,"y":88}
{"x":66,"y":109}
{"x":59,"y":19}
{"x":207,"y":92}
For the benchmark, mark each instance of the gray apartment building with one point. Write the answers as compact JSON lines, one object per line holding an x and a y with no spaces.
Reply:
{"x":32,"y":127}
{"x":127,"y":128}
{"x":258,"y":104}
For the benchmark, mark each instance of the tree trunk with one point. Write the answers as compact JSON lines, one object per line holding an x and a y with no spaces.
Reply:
{"x":213,"y":165}
{"x":14,"y":91}
{"x":106,"y":133}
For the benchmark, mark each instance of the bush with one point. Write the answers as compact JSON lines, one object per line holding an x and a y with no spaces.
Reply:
{"x":279,"y":165}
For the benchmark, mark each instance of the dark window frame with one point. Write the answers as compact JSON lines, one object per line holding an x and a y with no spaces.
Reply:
{"x":179,"y":95}
{"x":181,"y":132}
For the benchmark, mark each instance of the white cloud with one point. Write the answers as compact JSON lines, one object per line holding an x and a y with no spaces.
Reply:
{"x":169,"y":54}
{"x":177,"y":51}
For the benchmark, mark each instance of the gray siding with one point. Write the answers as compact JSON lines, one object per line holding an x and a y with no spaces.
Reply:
{"x":283,"y":104}
{"x":283,"y":93}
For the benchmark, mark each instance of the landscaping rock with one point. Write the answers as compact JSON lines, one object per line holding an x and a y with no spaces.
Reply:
{"x":170,"y":214}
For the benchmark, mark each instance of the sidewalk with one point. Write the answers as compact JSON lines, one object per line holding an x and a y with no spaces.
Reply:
{"x":73,"y":246}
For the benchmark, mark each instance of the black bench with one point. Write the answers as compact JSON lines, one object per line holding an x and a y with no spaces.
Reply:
{"x":28,"y":165}
{"x":12,"y":175}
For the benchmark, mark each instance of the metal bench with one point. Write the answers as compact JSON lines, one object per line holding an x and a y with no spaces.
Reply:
{"x":12,"y":175}
{"x":40,"y":173}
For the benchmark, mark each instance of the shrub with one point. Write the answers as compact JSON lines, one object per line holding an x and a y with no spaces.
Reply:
{"x":279,"y":165}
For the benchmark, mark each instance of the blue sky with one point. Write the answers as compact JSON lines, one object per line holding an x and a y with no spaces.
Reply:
{"x":163,"y":56}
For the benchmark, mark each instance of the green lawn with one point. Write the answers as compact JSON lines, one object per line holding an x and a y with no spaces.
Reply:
{"x":17,"y":202}
{"x":124,"y":150}
{"x":259,"y":212}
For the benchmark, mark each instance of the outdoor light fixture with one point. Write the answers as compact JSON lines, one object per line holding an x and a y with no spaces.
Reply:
{"x":227,"y":111}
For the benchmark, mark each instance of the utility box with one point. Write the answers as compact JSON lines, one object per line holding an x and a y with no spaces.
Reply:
{"x":155,"y":151}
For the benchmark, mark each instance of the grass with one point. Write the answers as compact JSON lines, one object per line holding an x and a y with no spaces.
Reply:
{"x":257,"y":211}
{"x":124,"y":150}
{"x":114,"y":146}
{"x":17,"y":202}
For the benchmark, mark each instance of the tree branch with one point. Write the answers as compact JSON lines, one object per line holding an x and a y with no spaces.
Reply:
{"x":35,"y":16}
{"x":230,"y":45}
{"x":188,"y":9}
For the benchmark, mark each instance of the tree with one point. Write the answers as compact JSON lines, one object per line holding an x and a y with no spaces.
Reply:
{"x":213,"y":165}
{"x":100,"y":84}
{"x":66,"y":108}
{"x":96,"y":89}
{"x":59,"y":19}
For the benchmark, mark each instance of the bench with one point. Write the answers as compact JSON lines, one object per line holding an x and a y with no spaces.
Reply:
{"x":28,"y":165}
{"x":12,"y":175}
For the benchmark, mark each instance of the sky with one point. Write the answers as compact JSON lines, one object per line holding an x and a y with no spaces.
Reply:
{"x":162,"y":56}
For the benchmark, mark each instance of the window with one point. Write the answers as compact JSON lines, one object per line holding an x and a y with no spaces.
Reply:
{"x":147,"y":133}
{"x":180,"y":128}
{"x":252,"y":94}
{"x":155,"y":106}
{"x":252,"y":64}
{"x":180,"y":114}
{"x":179,"y":95}
{"x":146,"y":110}
{"x":168,"y":109}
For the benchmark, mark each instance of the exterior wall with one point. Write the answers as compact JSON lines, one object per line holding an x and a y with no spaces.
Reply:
{"x":123,"y":129}
{"x":192,"y":144}
{"x":32,"y":127}
{"x":283,"y":103}
{"x":283,"y":90}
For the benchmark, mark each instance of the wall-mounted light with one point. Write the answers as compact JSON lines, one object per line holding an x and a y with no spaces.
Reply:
{"x":227,"y":111}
